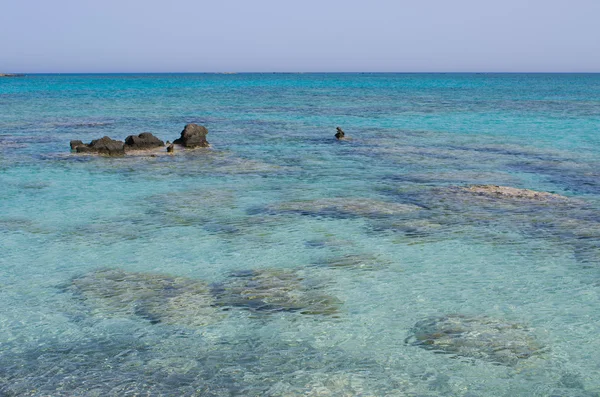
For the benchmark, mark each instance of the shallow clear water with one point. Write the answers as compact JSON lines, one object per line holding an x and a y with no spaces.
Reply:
{"x":373,"y":225}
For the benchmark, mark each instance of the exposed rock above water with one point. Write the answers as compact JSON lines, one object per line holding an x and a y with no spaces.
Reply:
{"x":157,"y":298}
{"x":271,"y":291}
{"x":475,"y":337}
{"x":193,"y":135}
{"x":340,"y":134}
{"x":145,"y":140}
{"x":104,"y":145}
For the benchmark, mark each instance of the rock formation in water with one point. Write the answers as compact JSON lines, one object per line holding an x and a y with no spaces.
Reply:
{"x":193,"y":135}
{"x":340,"y":134}
{"x":11,"y":75}
{"x":145,"y":140}
{"x":511,"y":193}
{"x":103,"y":145}
{"x":345,"y":207}
{"x":153,"y":297}
{"x":272,"y":290}
{"x":483,"y":338}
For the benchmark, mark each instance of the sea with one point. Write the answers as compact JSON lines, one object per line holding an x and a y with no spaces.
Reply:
{"x":281,"y":261}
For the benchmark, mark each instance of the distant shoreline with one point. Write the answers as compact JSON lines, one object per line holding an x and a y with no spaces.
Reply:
{"x":11,"y":75}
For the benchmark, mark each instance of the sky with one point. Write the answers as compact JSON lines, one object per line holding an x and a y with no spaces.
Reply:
{"x":96,"y":36}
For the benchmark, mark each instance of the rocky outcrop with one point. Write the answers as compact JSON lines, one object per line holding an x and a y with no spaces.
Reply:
{"x":104,"y":145}
{"x":193,"y":135}
{"x":145,"y":140}
{"x":11,"y":75}
{"x":483,"y":338}
{"x":340,"y":134}
{"x":75,"y":144}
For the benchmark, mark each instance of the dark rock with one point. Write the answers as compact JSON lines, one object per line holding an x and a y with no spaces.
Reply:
{"x":170,"y":148}
{"x":104,"y":145}
{"x":340,"y":133}
{"x":145,"y":140}
{"x":193,"y":135}
{"x":75,"y":144}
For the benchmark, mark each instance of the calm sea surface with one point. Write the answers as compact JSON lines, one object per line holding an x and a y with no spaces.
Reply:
{"x":281,"y":262}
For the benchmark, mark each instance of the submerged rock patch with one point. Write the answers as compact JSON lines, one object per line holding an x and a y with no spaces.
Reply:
{"x":157,"y":298}
{"x":483,"y":338}
{"x":354,"y":261}
{"x":346,"y":207}
{"x":273,"y":290}
{"x":512,"y":193}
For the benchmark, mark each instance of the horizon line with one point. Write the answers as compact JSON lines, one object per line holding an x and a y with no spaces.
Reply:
{"x":300,"y":72}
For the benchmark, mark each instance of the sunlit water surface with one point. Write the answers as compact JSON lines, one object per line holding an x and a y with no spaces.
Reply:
{"x":281,"y":262}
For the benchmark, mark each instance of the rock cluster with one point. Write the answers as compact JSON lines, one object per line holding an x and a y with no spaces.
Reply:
{"x":104,"y":145}
{"x":340,"y":133}
{"x":182,"y":301}
{"x":192,"y":136}
{"x":145,"y":140}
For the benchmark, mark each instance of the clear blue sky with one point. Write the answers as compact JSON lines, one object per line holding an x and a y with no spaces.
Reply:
{"x":307,"y":35}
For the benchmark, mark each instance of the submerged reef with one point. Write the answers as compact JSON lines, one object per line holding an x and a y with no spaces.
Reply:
{"x":511,"y":193}
{"x":345,"y":207}
{"x":548,"y":216}
{"x":482,"y":338}
{"x":354,"y":261}
{"x":186,"y":302}
{"x":493,"y":197}
{"x":273,"y":290}
{"x":157,"y":298}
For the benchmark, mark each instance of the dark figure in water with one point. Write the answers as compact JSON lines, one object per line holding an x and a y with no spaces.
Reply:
{"x":340,"y":133}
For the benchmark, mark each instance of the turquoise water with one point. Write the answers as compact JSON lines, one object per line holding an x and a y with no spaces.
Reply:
{"x":370,"y":230}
